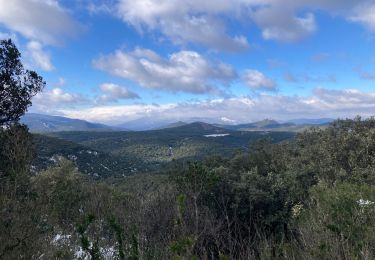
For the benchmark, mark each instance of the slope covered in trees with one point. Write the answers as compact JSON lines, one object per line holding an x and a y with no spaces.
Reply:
{"x":150,"y":150}
{"x":312,"y":197}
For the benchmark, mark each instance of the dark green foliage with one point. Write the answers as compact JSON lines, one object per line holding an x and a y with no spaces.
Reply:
{"x":182,"y":248}
{"x":89,"y":161}
{"x":134,"y":254}
{"x":21,"y":226}
{"x":62,"y":189}
{"x":90,"y":247}
{"x":16,"y":151}
{"x":19,"y":214}
{"x":308,"y":198}
{"x":260,"y":194}
{"x":119,"y":237}
{"x":147,"y":151}
{"x":343,"y":152}
{"x":340,"y":221}
{"x":17,"y":85}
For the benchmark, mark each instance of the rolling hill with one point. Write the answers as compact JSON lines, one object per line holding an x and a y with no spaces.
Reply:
{"x":155,"y":148}
{"x":271,"y":125}
{"x":98,"y":164}
{"x":39,"y":123}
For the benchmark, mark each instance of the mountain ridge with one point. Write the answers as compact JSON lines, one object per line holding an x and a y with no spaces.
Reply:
{"x":41,"y":123}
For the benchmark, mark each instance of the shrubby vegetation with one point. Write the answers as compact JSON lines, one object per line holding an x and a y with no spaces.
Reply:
{"x":307,"y":198}
{"x":311,"y":197}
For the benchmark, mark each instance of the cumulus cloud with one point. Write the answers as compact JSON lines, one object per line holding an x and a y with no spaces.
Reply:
{"x":284,"y":26}
{"x":41,"y":20}
{"x":322,"y":103}
{"x":345,"y":99}
{"x":256,"y":80}
{"x":39,"y":58}
{"x":185,"y":21}
{"x":184,"y":71}
{"x":52,"y":100}
{"x":202,"y":22}
{"x":365,"y":14}
{"x":114,"y":92}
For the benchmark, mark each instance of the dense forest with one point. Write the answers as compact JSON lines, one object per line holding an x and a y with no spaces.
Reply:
{"x":308,"y":197}
{"x":311,"y":197}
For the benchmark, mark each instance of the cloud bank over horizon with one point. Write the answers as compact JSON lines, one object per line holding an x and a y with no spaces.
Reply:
{"x":323,"y":103}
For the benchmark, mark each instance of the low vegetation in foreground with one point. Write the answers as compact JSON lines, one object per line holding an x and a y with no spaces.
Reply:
{"x":307,"y":198}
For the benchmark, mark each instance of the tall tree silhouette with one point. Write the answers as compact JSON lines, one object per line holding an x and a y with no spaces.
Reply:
{"x":17,"y":85}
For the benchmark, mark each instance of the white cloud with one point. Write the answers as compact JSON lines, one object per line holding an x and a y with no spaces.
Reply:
{"x":52,"y":100}
{"x":185,"y":21}
{"x":322,"y":103}
{"x":256,"y":80}
{"x":99,"y":6}
{"x":365,"y":14}
{"x":114,"y":92}
{"x":184,"y":71}
{"x":39,"y":58}
{"x":227,"y":120}
{"x":284,"y":26}
{"x":41,"y":20}
{"x":345,"y":99}
{"x":5,"y":36}
{"x":206,"y":22}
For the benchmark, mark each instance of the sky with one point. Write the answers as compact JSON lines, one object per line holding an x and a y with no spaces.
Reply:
{"x":238,"y":61}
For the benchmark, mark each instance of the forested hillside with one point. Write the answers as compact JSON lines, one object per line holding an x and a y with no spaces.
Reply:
{"x":95,"y":163}
{"x":311,"y":197}
{"x":124,"y":153}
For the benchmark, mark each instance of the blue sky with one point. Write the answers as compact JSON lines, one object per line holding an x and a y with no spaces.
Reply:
{"x":233,"y":61}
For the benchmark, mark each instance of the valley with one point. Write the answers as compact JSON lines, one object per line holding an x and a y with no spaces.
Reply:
{"x":122,"y":153}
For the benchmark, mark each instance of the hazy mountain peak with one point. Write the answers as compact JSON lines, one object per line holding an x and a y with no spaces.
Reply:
{"x":41,"y":123}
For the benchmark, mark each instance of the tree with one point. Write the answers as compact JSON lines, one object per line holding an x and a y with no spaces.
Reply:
{"x":19,"y":218}
{"x":17,"y":85}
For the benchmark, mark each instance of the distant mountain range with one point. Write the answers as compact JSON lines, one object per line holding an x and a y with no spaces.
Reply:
{"x":272,"y":125}
{"x":267,"y":125}
{"x":102,"y":150}
{"x":39,"y":123}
